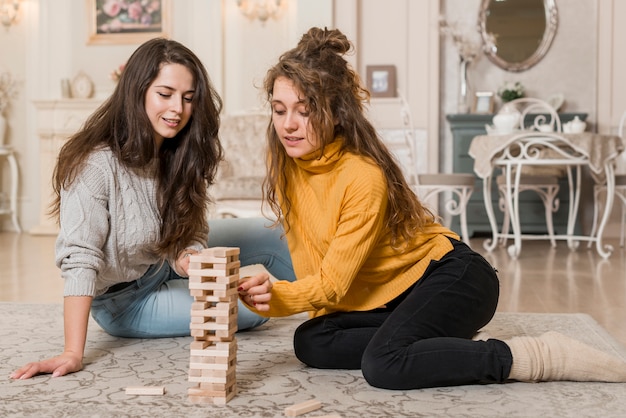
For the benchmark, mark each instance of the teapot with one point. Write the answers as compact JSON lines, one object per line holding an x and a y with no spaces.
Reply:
{"x":506,"y":120}
{"x":574,"y":126}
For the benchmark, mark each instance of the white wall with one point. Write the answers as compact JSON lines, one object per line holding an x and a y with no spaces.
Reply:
{"x":586,"y":62}
{"x":569,"y":67}
{"x":49,"y":43}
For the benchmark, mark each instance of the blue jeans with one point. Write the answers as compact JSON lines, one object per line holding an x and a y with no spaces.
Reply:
{"x":422,"y":338}
{"x":158,"y":304}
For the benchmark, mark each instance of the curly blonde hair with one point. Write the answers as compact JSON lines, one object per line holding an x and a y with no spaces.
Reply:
{"x":334,"y":96}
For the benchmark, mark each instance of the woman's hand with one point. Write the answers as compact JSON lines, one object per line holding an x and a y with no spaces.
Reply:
{"x":256,"y":291}
{"x":182,"y":262}
{"x":58,"y":366}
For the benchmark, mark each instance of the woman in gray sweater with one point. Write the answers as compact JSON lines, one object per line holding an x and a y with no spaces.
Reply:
{"x":131,"y":199}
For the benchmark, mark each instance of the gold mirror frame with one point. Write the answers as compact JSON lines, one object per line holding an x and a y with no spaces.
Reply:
{"x":491,"y":49}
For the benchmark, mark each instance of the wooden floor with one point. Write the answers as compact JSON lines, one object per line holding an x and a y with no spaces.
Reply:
{"x":542,"y":279}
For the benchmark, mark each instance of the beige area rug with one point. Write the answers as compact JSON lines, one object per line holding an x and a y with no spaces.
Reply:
{"x":270,"y":378}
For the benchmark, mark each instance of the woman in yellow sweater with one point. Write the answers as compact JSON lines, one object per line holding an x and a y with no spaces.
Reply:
{"x":389,"y":290}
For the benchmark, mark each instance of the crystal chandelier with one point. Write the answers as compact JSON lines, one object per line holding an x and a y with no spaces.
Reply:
{"x":259,"y":9}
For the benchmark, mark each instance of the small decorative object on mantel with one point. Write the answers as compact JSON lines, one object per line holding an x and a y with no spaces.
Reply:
{"x":8,"y":91}
{"x":483,"y":102}
{"x":575,"y":126}
{"x":469,"y":51}
{"x":66,"y":88}
{"x":381,"y":80}
{"x":117,"y":73}
{"x":82,"y":86}
{"x":511,"y":91}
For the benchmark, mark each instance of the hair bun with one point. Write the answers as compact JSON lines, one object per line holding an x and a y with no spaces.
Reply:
{"x":318,"y":40}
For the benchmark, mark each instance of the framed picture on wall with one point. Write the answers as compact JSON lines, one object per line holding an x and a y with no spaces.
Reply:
{"x":115,"y":22}
{"x":483,"y":102}
{"x":381,"y":80}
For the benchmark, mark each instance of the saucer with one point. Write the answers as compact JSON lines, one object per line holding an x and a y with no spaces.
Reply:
{"x":492,"y":130}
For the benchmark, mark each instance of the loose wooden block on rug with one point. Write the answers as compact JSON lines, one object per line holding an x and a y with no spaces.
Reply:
{"x":270,"y":378}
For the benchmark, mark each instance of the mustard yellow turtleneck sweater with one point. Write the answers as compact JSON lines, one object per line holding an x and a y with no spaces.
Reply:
{"x":338,"y":241}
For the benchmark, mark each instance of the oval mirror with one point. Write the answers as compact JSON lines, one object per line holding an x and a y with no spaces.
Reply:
{"x":517,"y":33}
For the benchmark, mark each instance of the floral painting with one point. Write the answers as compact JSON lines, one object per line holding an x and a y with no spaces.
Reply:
{"x":127,"y":21}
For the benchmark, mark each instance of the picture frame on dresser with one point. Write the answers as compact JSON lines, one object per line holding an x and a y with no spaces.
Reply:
{"x":381,"y":80}
{"x":483,"y":102}
{"x":111,"y":24}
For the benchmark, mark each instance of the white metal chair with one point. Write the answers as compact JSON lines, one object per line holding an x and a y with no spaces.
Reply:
{"x":620,"y":188}
{"x":531,"y":148}
{"x":456,"y":188}
{"x":542,"y":180}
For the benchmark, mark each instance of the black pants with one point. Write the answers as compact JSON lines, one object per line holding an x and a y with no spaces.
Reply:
{"x":423,"y":339}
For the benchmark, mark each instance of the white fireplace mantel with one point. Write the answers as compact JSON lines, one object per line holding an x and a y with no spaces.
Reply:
{"x":57,"y":121}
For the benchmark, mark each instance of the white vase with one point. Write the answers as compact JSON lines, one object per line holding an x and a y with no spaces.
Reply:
{"x":463,"y":99}
{"x":3,"y":129}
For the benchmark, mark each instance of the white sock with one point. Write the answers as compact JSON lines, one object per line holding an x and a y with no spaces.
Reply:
{"x":554,"y":356}
{"x":481,"y":336}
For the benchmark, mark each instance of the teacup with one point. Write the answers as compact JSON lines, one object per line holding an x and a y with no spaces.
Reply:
{"x":545,"y":128}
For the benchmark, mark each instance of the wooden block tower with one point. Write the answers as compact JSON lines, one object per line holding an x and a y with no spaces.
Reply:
{"x":213,"y":282}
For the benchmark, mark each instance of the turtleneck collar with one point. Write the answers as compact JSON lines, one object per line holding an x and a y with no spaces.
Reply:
{"x":313,"y":163}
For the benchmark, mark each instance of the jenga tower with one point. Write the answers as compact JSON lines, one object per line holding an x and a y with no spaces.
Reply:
{"x":213,"y":281}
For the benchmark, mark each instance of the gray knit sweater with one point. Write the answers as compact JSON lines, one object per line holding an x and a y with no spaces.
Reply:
{"x":109,"y":221}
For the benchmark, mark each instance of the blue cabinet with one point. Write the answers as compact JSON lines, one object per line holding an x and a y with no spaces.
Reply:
{"x":464,"y":128}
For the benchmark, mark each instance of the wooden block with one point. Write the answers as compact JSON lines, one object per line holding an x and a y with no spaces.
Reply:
{"x":208,"y":352}
{"x":212,"y":400}
{"x":197,"y":391}
{"x":220,"y":251}
{"x":213,"y":379}
{"x":199,"y":345}
{"x":200,"y":306}
{"x":215,"y":373}
{"x":212,"y":376}
{"x":213,"y":359}
{"x":213,"y":282}
{"x":302,"y":408}
{"x":215,"y":269}
{"x":209,"y":286}
{"x":145,"y":390}
{"x":198,"y":319}
{"x":221,"y":279}
{"x":216,"y":295}
{"x":209,"y":259}
{"x":209,"y":366}
{"x":232,"y":297}
{"x":231,"y":270}
{"x":215,"y":386}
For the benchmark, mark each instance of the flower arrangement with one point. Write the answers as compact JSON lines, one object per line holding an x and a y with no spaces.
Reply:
{"x":468,"y":49}
{"x":117,"y":73}
{"x":8,"y":89}
{"x":511,"y":91}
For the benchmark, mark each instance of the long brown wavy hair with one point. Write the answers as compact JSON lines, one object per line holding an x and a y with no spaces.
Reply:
{"x":334,"y":97}
{"x":187,"y":163}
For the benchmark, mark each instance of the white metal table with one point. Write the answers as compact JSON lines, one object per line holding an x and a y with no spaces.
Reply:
{"x":513,"y":151}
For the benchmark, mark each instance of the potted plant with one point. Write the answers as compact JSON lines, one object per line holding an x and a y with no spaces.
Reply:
{"x":511,"y":91}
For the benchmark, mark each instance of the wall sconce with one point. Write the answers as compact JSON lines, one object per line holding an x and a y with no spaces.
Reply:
{"x":259,"y":9}
{"x":8,"y":11}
